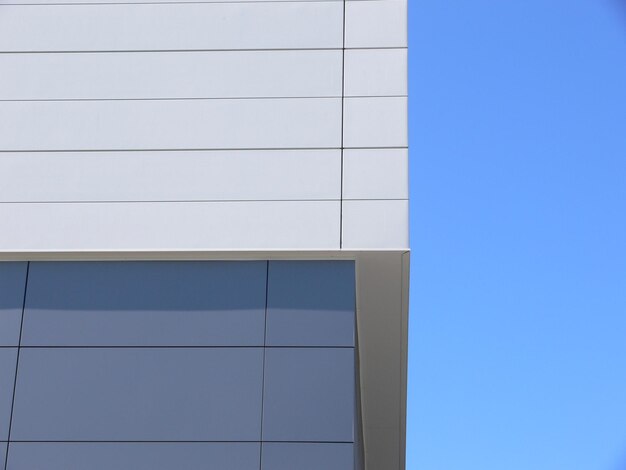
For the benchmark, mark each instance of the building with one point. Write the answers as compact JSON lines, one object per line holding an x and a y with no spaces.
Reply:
{"x":203,"y":234}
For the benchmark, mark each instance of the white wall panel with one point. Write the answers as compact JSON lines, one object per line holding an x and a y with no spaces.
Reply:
{"x":375,"y":72}
{"x":375,"y":224}
{"x":170,"y":124}
{"x":375,"y":174}
{"x":170,"y":176}
{"x":148,"y":149}
{"x":376,"y":23}
{"x":375,"y":122}
{"x":207,"y":226}
{"x":73,"y":2}
{"x":163,"y":26}
{"x":216,"y":74}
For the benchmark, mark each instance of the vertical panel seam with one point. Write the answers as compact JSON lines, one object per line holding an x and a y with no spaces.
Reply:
{"x":267,"y":282}
{"x":17,"y":364}
{"x":343,"y":93}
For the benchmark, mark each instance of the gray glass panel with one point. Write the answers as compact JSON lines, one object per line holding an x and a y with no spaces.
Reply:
{"x":3,"y":450}
{"x":311,"y":303}
{"x":133,"y":456}
{"x":8,"y":359}
{"x":309,"y":395}
{"x":12,"y":284}
{"x":120,"y":394}
{"x":145,"y":303}
{"x":290,"y":456}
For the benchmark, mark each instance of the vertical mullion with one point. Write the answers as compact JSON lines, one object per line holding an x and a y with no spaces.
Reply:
{"x":267,"y":281}
{"x":17,"y":364}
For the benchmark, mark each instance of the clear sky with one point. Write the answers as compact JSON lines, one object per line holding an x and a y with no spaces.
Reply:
{"x":518,"y":234}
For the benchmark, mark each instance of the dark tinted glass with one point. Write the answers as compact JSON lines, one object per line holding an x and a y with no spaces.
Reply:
{"x":12,"y":282}
{"x":8,"y":358}
{"x":204,"y":394}
{"x":309,"y":395}
{"x":311,"y":303}
{"x":290,"y":456}
{"x":145,"y":304}
{"x":133,"y":456}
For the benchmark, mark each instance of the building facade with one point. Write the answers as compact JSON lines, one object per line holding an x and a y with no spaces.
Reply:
{"x":203,"y":234}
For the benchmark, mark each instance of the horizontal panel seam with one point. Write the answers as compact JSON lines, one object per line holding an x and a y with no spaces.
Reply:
{"x":196,"y":201}
{"x":223,"y":149}
{"x":181,"y":2}
{"x":208,"y":201}
{"x":376,"y":199}
{"x":209,"y":98}
{"x":148,"y":51}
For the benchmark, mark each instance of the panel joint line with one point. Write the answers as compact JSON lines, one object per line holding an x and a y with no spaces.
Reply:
{"x":343,"y":94}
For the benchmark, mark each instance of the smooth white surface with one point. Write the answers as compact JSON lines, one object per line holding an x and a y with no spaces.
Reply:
{"x":380,"y":224}
{"x":375,"y":174}
{"x":375,"y":122}
{"x":169,"y":226}
{"x":163,"y":26}
{"x":376,"y":23}
{"x":170,"y":176}
{"x":48,"y":2}
{"x":376,"y":72}
{"x":221,"y":74}
{"x":170,"y":124}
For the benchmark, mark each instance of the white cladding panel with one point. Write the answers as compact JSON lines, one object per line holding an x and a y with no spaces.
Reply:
{"x":375,"y":122}
{"x":173,"y":125}
{"x":381,"y":223}
{"x":375,"y":174}
{"x":376,"y":72}
{"x":141,"y":75}
{"x":70,"y":2}
{"x":170,"y":26}
{"x":170,"y":176}
{"x":377,"y":23}
{"x":170,"y":226}
{"x":170,"y":124}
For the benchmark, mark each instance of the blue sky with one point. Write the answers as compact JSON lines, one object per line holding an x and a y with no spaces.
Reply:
{"x":518,"y":234}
